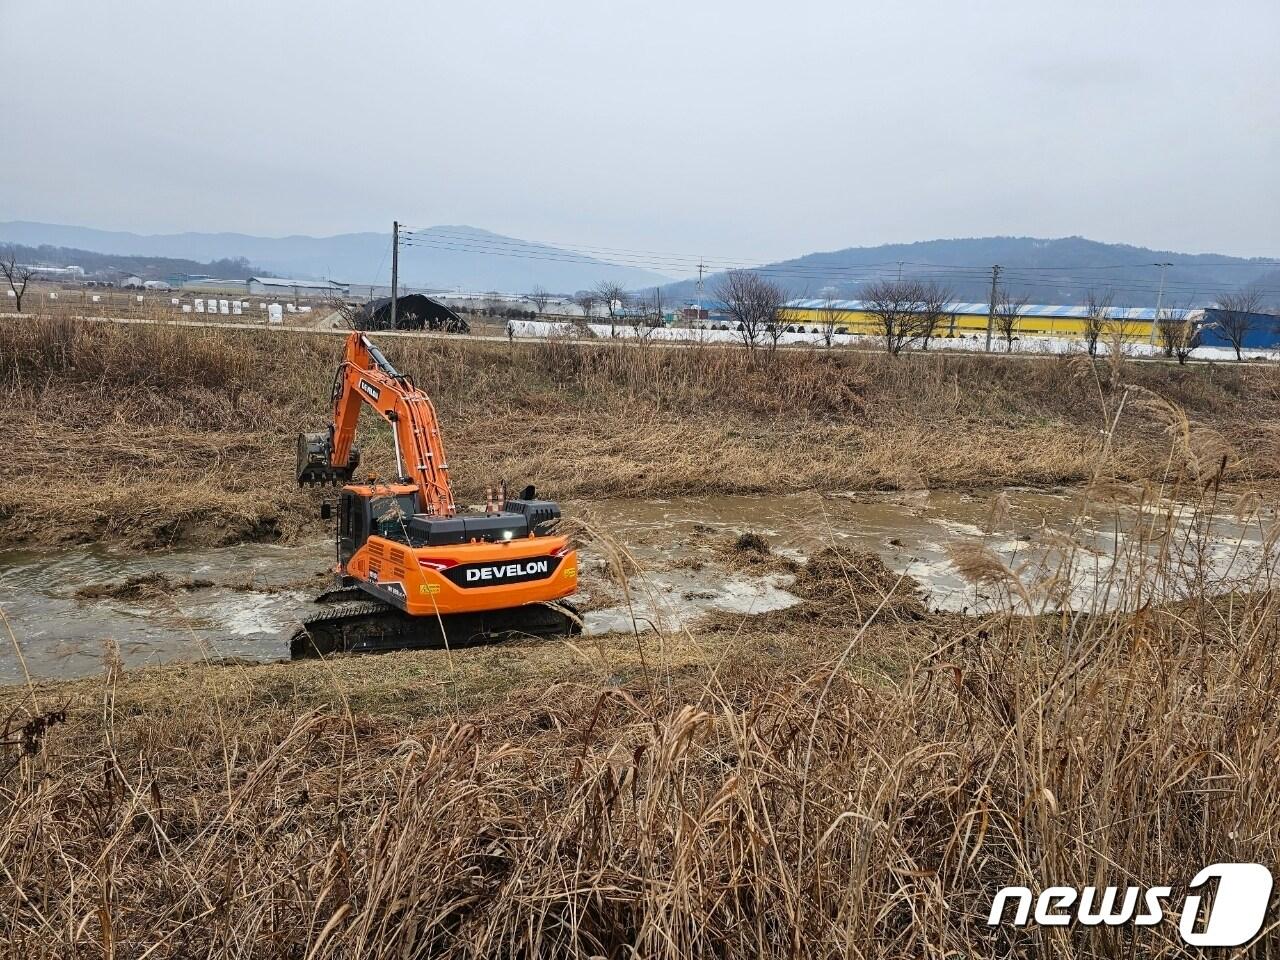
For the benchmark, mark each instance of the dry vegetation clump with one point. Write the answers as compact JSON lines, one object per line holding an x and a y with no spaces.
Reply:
{"x":751,"y":542}
{"x":152,"y":435}
{"x":748,"y":552}
{"x":142,"y":586}
{"x":863,"y":581}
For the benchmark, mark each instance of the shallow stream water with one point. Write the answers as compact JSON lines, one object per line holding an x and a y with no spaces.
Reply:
{"x":242,"y":600}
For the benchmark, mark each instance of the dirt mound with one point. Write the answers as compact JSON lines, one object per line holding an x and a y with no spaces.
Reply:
{"x":834,"y":576}
{"x":751,"y":551}
{"x":751,"y":542}
{"x":143,"y":586}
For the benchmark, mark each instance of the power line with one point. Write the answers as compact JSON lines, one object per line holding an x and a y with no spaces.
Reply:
{"x":1022,"y":276}
{"x":654,"y":256}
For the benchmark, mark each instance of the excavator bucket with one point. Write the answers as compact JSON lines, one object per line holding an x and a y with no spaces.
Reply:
{"x":314,"y":467}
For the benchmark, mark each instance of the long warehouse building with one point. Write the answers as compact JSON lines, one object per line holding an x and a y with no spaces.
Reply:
{"x":1035,"y":320}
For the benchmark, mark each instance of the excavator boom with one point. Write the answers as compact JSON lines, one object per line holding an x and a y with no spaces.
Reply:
{"x":365,"y":376}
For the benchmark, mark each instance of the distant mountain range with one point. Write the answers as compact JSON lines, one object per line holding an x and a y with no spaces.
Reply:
{"x":1046,"y":271}
{"x":442,"y":258}
{"x":460,"y":257}
{"x":113,"y":266}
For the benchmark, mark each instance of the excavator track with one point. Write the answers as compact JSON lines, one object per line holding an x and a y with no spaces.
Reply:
{"x":370,"y":625}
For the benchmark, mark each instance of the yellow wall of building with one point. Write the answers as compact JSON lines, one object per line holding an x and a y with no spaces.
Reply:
{"x":967,"y":324}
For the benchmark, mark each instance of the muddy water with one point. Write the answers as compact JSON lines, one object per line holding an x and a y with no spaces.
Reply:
{"x":237,"y":601}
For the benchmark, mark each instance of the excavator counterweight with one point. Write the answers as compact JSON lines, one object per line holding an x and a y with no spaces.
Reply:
{"x":412,"y":570}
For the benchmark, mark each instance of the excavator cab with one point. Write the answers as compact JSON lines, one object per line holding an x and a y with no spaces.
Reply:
{"x":364,"y":511}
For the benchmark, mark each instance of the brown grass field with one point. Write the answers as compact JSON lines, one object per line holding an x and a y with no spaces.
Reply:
{"x":150,"y":435}
{"x":854,"y":776}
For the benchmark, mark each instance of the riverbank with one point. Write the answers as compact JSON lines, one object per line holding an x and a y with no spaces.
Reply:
{"x":791,"y":783}
{"x":147,"y":436}
{"x":795,"y":781}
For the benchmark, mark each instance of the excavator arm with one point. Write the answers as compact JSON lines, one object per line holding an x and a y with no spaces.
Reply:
{"x":365,"y":376}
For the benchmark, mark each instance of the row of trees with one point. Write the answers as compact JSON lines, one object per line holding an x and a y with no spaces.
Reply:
{"x":641,"y":311}
{"x":905,"y":313}
{"x":908,"y":313}
{"x":1235,"y":317}
{"x":614,"y":297}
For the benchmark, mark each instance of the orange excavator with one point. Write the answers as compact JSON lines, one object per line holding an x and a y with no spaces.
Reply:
{"x":412,"y":569}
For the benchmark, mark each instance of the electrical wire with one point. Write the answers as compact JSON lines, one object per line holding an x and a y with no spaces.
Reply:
{"x":1035,"y":277}
{"x":1023,"y":277}
{"x":653,"y":257}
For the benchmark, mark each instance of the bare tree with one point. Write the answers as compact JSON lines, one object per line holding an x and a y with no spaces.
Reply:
{"x":752,"y":303}
{"x":1008,"y":309}
{"x":644,"y":313}
{"x":932,"y":310}
{"x":829,"y":316}
{"x":539,"y":297}
{"x":614,"y":297}
{"x":905,"y":312}
{"x":776,"y":327}
{"x":586,"y":301}
{"x":18,"y":276}
{"x":350,"y":316}
{"x":1120,"y":330}
{"x":1097,"y":307}
{"x":1179,"y":333}
{"x":1235,"y":315}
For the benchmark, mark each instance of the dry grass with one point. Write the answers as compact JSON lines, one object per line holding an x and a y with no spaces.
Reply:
{"x":153,"y":435}
{"x":854,"y":776}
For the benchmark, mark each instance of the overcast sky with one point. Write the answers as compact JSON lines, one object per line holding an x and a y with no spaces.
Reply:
{"x":731,"y":129}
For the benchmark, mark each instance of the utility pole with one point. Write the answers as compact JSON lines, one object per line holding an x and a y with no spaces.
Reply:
{"x":395,"y":268}
{"x":1159,"y":301}
{"x":991,"y":309}
{"x":698,"y":302}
